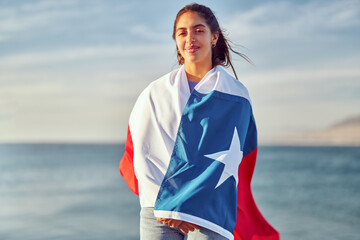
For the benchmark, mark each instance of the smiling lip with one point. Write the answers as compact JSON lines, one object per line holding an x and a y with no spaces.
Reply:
{"x":192,"y":49}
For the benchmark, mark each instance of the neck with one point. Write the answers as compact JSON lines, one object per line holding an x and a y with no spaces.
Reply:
{"x":195,"y":73}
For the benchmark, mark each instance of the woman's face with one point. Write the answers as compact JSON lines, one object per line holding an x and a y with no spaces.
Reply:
{"x":194,"y":39}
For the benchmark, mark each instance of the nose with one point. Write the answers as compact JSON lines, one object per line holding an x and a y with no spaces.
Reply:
{"x":190,"y":38}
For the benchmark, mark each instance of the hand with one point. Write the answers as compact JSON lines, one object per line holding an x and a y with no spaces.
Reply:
{"x":170,"y":222}
{"x":183,"y":226}
{"x":187,"y":227}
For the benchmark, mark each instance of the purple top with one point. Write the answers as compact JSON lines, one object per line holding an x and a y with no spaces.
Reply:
{"x":192,"y":85}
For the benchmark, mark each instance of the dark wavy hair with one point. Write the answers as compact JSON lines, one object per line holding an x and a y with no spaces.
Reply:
{"x":220,"y":53}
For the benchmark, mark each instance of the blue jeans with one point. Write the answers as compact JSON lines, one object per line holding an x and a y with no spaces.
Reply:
{"x":151,"y":229}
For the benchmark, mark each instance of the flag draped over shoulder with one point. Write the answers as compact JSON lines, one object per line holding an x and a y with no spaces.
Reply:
{"x":191,"y":156}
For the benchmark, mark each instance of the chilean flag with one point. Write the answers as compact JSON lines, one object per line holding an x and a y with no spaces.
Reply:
{"x":206,"y":180}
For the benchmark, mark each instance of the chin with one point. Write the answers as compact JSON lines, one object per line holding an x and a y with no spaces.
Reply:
{"x":192,"y":60}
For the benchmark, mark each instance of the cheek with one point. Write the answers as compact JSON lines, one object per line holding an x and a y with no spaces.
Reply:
{"x":207,"y":41}
{"x":179,"y":44}
{"x":180,"y":47}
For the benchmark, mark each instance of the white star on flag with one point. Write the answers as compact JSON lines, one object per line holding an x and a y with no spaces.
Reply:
{"x":230,"y":158}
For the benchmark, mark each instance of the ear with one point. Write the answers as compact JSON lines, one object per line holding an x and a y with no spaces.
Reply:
{"x":214,"y":38}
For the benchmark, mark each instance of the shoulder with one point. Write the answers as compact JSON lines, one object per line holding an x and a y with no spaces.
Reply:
{"x":161,"y":84}
{"x":156,"y":90}
{"x":231,"y":85}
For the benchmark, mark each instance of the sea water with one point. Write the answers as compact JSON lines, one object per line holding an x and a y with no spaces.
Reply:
{"x":75,"y":192}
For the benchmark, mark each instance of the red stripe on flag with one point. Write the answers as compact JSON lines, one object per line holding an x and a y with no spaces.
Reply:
{"x":126,"y":167}
{"x":250,"y":223}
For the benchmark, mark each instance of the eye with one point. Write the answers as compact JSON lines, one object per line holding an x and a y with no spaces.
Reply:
{"x":181,"y":33}
{"x":199,"y":30}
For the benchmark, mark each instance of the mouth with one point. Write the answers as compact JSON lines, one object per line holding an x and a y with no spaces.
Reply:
{"x":191,"y":49}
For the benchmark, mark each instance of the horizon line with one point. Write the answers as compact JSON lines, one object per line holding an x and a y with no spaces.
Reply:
{"x":122,"y":143}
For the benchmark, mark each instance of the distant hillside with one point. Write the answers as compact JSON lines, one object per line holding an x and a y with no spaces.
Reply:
{"x":346,"y":132}
{"x":348,"y":122}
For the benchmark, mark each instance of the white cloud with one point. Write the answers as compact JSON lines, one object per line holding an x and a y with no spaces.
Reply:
{"x":291,"y":21}
{"x":286,"y":86}
{"x":56,"y":111}
{"x":46,"y":5}
{"x":21,"y":22}
{"x":302,"y":75}
{"x":3,"y":38}
{"x":294,"y":100}
{"x":147,"y":33}
{"x":307,"y":73}
{"x":86,"y":91}
{"x":79,"y":54}
{"x":8,"y":106}
{"x":52,"y":15}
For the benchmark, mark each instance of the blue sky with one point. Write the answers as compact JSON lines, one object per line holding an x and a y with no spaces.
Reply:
{"x":71,"y":70}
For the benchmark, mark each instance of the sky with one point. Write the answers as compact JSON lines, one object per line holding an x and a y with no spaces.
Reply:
{"x":71,"y":70}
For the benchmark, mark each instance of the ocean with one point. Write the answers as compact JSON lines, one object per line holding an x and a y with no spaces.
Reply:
{"x":75,"y":192}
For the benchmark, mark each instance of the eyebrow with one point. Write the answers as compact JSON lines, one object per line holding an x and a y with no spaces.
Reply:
{"x":197,"y":25}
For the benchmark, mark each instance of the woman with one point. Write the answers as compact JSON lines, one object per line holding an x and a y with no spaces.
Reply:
{"x":191,"y":144}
